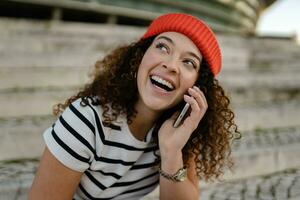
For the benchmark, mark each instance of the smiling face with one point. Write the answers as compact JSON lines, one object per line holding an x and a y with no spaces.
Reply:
{"x":169,"y":67}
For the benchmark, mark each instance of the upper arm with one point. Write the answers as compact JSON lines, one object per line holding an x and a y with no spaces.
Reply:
{"x":70,"y":148}
{"x":54,"y":180}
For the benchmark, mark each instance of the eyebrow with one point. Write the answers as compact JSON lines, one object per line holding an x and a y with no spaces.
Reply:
{"x":172,"y":42}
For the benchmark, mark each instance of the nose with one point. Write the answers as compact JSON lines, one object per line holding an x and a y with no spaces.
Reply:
{"x":171,"y":65}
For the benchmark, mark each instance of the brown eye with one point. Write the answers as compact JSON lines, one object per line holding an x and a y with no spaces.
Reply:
{"x":162,"y":47}
{"x":190,"y":62}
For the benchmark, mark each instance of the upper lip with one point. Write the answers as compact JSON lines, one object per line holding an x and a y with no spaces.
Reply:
{"x":165,"y":78}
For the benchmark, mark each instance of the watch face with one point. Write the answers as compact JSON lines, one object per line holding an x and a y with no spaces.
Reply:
{"x":181,"y":175}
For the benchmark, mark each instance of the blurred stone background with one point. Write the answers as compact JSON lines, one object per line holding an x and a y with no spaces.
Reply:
{"x":47,"y":48}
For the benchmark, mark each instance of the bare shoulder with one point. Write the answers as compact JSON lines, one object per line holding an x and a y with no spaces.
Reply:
{"x":53,"y":180}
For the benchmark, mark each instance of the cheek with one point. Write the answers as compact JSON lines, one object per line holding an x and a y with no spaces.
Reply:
{"x":144,"y":63}
{"x":144,"y":68}
{"x":189,"y":81}
{"x":152,"y":55}
{"x":149,"y":60}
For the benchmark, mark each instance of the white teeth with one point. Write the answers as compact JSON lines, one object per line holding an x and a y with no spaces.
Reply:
{"x":162,"y":81}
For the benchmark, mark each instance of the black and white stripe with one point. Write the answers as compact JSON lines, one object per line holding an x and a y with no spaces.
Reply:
{"x":149,"y":187}
{"x":114,"y":163}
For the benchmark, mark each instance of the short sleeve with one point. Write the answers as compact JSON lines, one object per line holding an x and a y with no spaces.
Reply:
{"x":71,"y":139}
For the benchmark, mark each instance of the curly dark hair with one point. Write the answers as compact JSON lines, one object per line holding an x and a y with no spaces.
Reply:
{"x":113,"y":82}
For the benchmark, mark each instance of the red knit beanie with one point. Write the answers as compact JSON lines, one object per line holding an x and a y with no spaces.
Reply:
{"x":193,"y":28}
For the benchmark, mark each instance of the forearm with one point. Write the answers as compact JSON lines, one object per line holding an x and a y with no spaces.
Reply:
{"x":176,"y":190}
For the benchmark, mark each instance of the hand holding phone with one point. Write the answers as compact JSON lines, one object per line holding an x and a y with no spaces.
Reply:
{"x":181,"y":116}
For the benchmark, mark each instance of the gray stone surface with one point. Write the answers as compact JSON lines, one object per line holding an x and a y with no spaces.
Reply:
{"x":283,"y":185}
{"x":16,"y":178}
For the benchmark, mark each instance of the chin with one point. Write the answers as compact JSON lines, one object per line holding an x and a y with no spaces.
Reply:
{"x":158,"y":105}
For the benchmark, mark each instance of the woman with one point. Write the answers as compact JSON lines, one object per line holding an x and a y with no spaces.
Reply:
{"x":116,"y":138}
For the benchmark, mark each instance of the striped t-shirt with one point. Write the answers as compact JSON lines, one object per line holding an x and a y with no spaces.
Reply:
{"x":116,"y":165}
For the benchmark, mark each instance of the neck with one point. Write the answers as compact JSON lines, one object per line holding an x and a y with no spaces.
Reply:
{"x":143,"y":121}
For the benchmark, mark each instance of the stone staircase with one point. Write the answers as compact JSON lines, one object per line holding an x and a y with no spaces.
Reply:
{"x":42,"y":63}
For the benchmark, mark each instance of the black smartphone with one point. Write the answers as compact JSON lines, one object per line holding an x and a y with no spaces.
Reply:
{"x":182,"y":115}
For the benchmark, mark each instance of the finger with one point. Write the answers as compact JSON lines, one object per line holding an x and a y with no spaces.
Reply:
{"x":192,"y":101}
{"x":199,"y":98}
{"x":199,"y":106}
{"x":201,"y":93}
{"x":191,"y":122}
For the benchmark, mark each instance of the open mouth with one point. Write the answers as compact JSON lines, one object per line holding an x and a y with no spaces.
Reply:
{"x":161,"y":83}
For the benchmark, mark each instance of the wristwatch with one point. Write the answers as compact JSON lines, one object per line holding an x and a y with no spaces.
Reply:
{"x":179,"y":176}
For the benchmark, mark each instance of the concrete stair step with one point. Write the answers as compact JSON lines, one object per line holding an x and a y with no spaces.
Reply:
{"x":247,"y":53}
{"x":37,"y":78}
{"x":20,"y":36}
{"x":268,"y":59}
{"x":258,"y":43}
{"x":267,"y":115}
{"x":275,"y":44}
{"x":58,"y":43}
{"x":21,"y":138}
{"x":265,"y":151}
{"x":237,"y":59}
{"x":248,"y":87}
{"x":50,"y":43}
{"x":245,"y":79}
{"x":57,"y":33}
{"x":34,"y":103}
{"x":48,"y":60}
{"x":261,"y":95}
{"x":234,"y":80}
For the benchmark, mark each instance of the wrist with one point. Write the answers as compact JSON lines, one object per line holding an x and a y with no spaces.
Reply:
{"x":171,"y":156}
{"x":169,"y":151}
{"x":171,"y":162}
